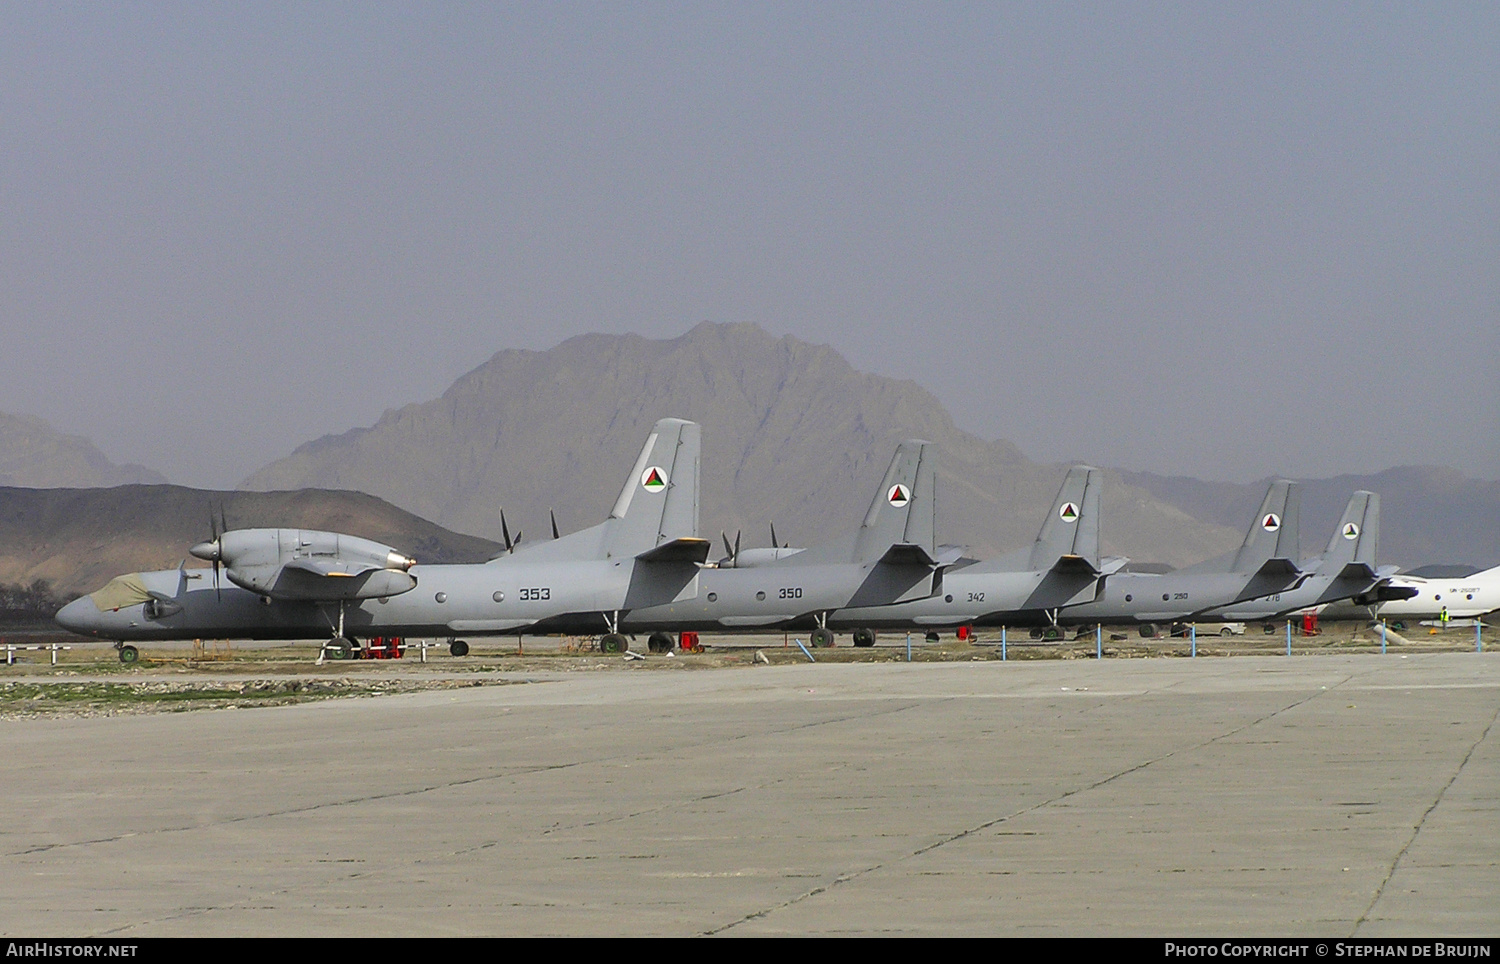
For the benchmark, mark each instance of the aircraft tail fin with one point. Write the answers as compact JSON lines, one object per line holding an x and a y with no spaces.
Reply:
{"x":659,"y":501}
{"x":903,"y":509}
{"x":1275,"y":531}
{"x":1357,"y":537}
{"x":1072,"y":527}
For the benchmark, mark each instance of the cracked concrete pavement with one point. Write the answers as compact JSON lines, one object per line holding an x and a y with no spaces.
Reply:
{"x":1347,"y":795}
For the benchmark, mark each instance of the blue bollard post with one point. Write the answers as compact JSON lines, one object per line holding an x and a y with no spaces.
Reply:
{"x":804,"y":651}
{"x":1002,"y":644}
{"x":1289,"y":637}
{"x":908,"y":647}
{"x":1382,"y":637}
{"x":1099,"y":641}
{"x":1193,"y":635}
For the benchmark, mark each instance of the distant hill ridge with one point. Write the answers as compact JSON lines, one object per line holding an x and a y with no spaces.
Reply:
{"x":792,"y":434}
{"x":34,"y":454}
{"x":1428,"y":515}
{"x":78,"y":539}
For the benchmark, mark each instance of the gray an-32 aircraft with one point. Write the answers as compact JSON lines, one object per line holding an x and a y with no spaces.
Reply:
{"x":1030,"y":586}
{"x":1266,"y":563}
{"x":299,"y":584}
{"x":888,"y":559}
{"x":1346,"y":570}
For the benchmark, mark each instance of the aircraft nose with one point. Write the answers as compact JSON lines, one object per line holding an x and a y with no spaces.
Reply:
{"x":78,"y":616}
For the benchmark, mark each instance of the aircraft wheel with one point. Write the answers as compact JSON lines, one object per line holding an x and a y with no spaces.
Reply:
{"x":659,"y":643}
{"x":1225,"y":632}
{"x":458,"y":648}
{"x":933,"y":637}
{"x":1148,"y":630}
{"x":129,"y":654}
{"x":613,"y":643}
{"x":1051,"y":633}
{"x":822,"y":637}
{"x":1399,"y":626}
{"x":1035,"y":633}
{"x":864,"y":637}
{"x":1269,"y":629}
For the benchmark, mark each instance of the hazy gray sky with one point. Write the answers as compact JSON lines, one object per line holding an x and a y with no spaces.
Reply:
{"x":1225,"y":240}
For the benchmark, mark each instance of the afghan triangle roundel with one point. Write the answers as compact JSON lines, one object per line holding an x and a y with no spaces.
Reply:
{"x":1351,"y":531}
{"x":653,"y":479}
{"x":1271,"y":522}
{"x":899,"y":495}
{"x":1068,"y":512}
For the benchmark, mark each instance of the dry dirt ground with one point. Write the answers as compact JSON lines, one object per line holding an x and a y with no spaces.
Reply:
{"x":87,"y":679}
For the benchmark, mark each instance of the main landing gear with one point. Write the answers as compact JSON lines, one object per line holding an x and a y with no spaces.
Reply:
{"x":128,"y":654}
{"x":614,"y":641}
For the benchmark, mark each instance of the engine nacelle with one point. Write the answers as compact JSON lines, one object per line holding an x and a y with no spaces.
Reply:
{"x":309,"y":565}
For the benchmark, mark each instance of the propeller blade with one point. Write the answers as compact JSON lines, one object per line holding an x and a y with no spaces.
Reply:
{"x":505,"y":531}
{"x":554,"y":524}
{"x":736,"y":549}
{"x":728,"y":552}
{"x":773,"y":535}
{"x":213,"y":530}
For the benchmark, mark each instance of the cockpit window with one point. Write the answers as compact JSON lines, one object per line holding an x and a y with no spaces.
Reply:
{"x":120,"y":592}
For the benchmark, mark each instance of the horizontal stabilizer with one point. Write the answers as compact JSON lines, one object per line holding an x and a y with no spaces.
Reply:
{"x":1074,"y":566}
{"x":685,"y":549}
{"x":1274,"y":576}
{"x":950,"y":555}
{"x":907,"y":554}
{"x":1272,"y":568}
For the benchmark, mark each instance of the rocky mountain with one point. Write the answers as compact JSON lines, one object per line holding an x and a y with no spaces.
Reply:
{"x":1428,"y":515}
{"x":78,"y":539}
{"x":792,"y":435}
{"x":34,"y":454}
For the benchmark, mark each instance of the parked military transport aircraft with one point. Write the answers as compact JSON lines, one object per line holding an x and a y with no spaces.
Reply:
{"x":295,"y":584}
{"x":1028,"y":587}
{"x":1346,"y":569}
{"x":1265,"y":563}
{"x":888,"y":559}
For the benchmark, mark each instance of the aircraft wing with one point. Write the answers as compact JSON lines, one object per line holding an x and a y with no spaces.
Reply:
{"x":331,"y":568}
{"x":685,"y":549}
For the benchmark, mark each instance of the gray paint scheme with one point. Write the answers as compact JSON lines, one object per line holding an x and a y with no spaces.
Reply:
{"x":1061,"y":568}
{"x":646,"y":553}
{"x":1265,"y":563}
{"x":889,"y":558}
{"x":1346,"y":569}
